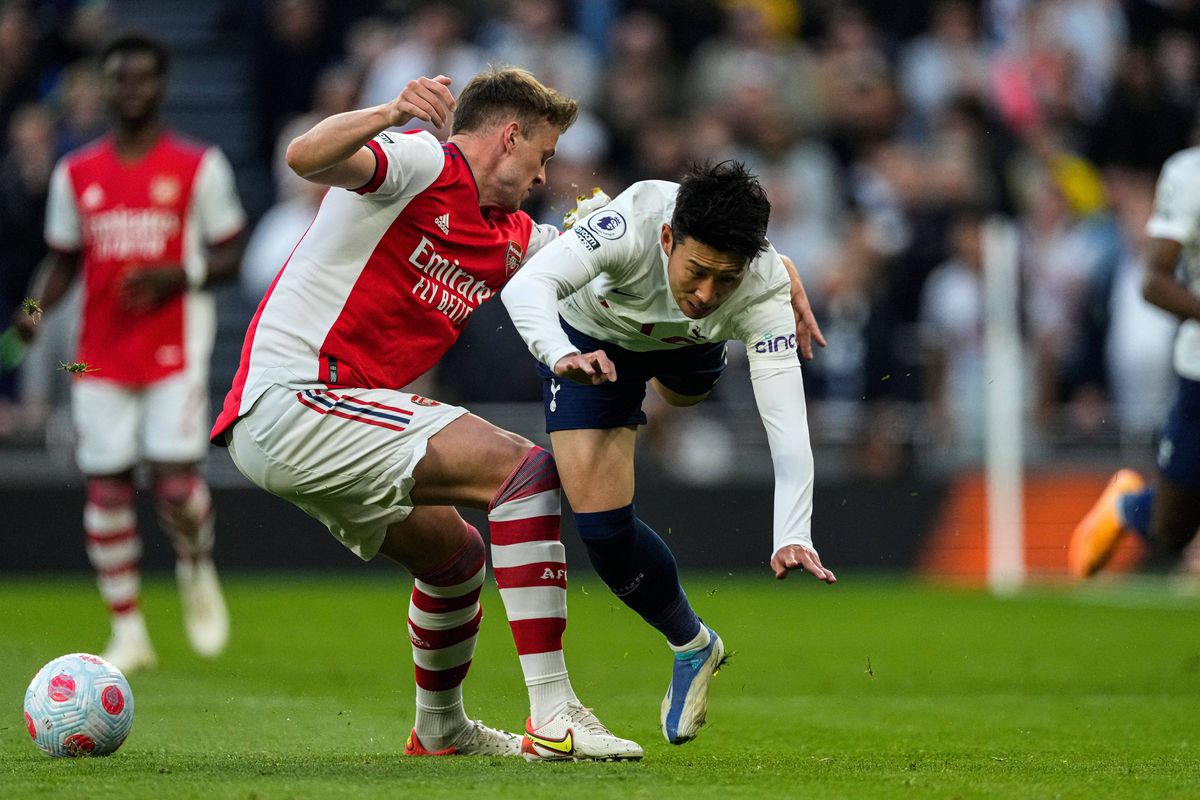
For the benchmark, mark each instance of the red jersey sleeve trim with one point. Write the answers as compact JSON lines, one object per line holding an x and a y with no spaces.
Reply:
{"x":381,"y":165}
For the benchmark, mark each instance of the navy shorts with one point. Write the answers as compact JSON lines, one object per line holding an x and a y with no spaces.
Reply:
{"x":1179,"y":448}
{"x":692,"y":370}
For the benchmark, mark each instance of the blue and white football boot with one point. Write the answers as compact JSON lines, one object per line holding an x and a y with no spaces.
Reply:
{"x":685,"y":707}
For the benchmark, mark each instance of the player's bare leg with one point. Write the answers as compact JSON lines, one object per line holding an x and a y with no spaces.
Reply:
{"x":447,"y":559}
{"x":472,"y":462}
{"x":638,"y":566}
{"x":185,"y":512}
{"x":114,"y":549}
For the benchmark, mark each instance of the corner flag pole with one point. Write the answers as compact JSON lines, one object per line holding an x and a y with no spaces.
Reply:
{"x":1004,"y":401}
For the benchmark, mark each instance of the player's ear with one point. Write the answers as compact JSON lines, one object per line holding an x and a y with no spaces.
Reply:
{"x":667,"y":237}
{"x":511,"y":132}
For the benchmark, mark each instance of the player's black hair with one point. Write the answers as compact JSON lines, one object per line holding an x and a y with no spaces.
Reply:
{"x":722,"y":206}
{"x":498,"y":92}
{"x":138,"y":43}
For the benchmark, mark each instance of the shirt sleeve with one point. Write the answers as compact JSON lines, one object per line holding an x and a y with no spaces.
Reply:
{"x":405,"y":164}
{"x":779,"y":392}
{"x":219,"y":211}
{"x":602,"y":242}
{"x":62,"y":214}
{"x":1176,"y":202}
{"x":532,"y":296}
{"x":778,"y":384}
{"x":539,"y":237}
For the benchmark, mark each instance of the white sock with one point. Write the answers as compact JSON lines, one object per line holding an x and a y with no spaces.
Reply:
{"x":130,"y":626}
{"x":440,"y":717}
{"x":551,"y":690}
{"x":699,"y":642}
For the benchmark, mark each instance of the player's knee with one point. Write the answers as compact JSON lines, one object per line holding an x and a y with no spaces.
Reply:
{"x":110,"y":492}
{"x":175,"y":488}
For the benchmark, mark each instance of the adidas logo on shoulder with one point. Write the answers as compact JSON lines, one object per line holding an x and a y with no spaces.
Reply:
{"x":443,"y":223}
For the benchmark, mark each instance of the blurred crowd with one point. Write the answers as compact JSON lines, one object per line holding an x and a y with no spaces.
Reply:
{"x":887,"y":134}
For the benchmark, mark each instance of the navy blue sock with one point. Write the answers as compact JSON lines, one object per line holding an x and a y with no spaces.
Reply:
{"x":1134,"y":510}
{"x":637,"y":565}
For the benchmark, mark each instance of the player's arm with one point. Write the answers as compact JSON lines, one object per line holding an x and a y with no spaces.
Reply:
{"x":333,"y":152}
{"x":778,"y":385}
{"x":56,"y":272}
{"x":807,"y":329}
{"x":1160,"y":287}
{"x":52,"y":280}
{"x":531,"y":298}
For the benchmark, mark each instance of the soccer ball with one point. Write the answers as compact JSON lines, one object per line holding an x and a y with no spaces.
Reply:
{"x":79,"y":705}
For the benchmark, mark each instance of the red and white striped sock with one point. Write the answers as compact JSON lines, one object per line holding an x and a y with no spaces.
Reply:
{"x":443,"y":621}
{"x":529,"y":562}
{"x":185,"y":511}
{"x":114,"y":547}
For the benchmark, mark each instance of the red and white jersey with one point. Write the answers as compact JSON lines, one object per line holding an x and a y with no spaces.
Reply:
{"x":161,"y":210}
{"x":385,"y":278}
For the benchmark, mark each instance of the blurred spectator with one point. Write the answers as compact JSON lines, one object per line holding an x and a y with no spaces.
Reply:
{"x":336,"y":91}
{"x":81,"y":107}
{"x":19,"y":70}
{"x":1140,"y":335}
{"x":1061,"y":261}
{"x":948,"y":62}
{"x":756,"y":50}
{"x":952,"y":338}
{"x":532,"y":34}
{"x":24,"y":182}
{"x":431,"y":43}
{"x":292,"y":46}
{"x":863,"y":104}
{"x":1140,"y":124}
{"x":275,"y":237}
{"x":803,"y":183}
{"x":639,"y":83}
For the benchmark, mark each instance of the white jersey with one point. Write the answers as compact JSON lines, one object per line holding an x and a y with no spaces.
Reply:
{"x":607,"y":277}
{"x":1177,"y":217}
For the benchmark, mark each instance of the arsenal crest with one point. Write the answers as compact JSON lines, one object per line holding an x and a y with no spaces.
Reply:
{"x":513,"y":258}
{"x":165,"y":190}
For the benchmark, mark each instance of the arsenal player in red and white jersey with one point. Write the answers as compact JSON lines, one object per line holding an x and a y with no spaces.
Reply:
{"x":412,"y":237}
{"x":151,"y":219}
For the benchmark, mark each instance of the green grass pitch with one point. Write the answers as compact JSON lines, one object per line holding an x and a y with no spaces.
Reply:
{"x":873,"y":688}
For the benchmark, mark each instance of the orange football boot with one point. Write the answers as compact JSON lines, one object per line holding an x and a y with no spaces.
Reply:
{"x":1097,"y":535}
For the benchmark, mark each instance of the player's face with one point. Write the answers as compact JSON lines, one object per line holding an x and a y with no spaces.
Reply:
{"x":525,"y":164}
{"x":133,"y":87}
{"x":700,"y":277}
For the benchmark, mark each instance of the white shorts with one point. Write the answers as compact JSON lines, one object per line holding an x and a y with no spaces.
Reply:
{"x":345,"y":456}
{"x":117,"y":426}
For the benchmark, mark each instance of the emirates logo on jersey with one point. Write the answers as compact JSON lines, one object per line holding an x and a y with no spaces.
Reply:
{"x":164,"y":190}
{"x":513,"y":258}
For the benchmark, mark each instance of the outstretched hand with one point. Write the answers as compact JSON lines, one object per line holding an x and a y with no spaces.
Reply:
{"x":589,"y":368}
{"x":426,"y":99}
{"x":794,"y":556}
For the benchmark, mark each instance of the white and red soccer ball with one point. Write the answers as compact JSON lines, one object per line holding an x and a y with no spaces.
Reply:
{"x":78,"y":705}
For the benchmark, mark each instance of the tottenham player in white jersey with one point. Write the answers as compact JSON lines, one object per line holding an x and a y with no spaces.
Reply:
{"x":1168,"y":513}
{"x":648,"y":289}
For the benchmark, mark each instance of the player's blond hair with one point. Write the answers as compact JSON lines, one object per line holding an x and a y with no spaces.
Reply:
{"x":498,"y":93}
